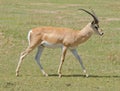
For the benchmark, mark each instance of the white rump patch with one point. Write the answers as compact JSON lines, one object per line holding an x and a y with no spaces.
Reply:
{"x":29,"y":36}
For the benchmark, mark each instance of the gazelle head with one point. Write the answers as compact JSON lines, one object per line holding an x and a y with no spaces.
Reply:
{"x":95,"y":23}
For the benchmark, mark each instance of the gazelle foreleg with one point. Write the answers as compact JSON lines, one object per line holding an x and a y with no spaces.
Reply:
{"x":37,"y":58}
{"x":74,"y":52}
{"x":64,"y":50}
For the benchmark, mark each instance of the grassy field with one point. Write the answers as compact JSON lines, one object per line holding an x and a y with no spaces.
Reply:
{"x":101,"y":55}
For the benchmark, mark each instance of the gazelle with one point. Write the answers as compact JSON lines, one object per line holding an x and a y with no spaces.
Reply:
{"x":65,"y":38}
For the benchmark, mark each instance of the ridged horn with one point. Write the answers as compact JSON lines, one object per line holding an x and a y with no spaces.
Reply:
{"x":93,"y":15}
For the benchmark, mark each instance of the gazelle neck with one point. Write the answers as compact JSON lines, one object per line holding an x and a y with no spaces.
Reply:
{"x":85,"y":33}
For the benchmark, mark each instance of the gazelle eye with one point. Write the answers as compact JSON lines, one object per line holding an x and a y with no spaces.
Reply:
{"x":96,"y":27}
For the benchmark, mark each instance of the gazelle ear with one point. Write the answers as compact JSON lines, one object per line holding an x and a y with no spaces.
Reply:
{"x":93,"y":22}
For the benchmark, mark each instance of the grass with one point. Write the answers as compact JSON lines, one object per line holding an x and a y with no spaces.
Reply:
{"x":100,"y":55}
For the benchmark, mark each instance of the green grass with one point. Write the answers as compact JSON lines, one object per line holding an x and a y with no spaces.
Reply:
{"x":100,"y":54}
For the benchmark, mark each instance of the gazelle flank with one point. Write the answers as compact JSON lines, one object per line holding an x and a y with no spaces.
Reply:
{"x":64,"y":38}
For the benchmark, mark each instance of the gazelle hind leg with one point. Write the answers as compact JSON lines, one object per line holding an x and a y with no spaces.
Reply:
{"x":74,"y":52}
{"x":37,"y":58}
{"x":22,"y":56}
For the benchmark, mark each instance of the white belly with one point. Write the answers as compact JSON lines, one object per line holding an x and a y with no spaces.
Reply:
{"x":50,"y":45}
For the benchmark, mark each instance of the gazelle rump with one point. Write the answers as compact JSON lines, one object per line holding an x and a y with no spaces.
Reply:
{"x":65,"y":38}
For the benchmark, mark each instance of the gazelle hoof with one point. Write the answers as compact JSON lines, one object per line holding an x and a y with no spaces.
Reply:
{"x":17,"y":74}
{"x":45,"y":74}
{"x":60,"y":75}
{"x":87,"y":75}
{"x":85,"y":72}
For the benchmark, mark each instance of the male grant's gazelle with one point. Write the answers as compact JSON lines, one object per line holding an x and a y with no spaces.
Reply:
{"x":65,"y":38}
